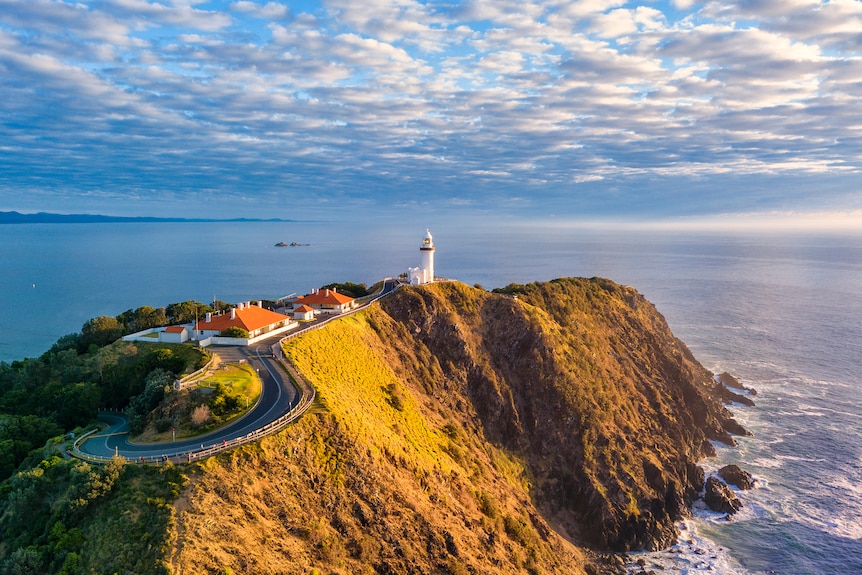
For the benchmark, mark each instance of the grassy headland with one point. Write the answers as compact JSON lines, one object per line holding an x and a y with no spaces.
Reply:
{"x":456,"y":431}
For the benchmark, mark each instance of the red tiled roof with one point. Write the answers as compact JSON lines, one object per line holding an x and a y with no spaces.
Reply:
{"x":175,"y":329}
{"x":325,"y":297}
{"x":249,"y":318}
{"x":303,"y":309}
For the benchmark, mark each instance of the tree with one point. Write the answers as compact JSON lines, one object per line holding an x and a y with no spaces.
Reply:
{"x":142,"y":318}
{"x":23,"y":561}
{"x":186,"y":311}
{"x":99,"y":331}
{"x":157,"y":385}
{"x":77,"y":404}
{"x":68,"y":341}
{"x":349,"y":288}
{"x":165,"y":359}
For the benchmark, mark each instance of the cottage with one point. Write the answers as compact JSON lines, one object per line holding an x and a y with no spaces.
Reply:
{"x":325,"y":301}
{"x":303,"y":313}
{"x":174,"y":334}
{"x":253,"y":318}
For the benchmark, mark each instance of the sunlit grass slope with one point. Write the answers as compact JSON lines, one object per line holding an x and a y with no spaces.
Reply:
{"x":381,"y":477}
{"x":362,"y":392}
{"x":462,"y":431}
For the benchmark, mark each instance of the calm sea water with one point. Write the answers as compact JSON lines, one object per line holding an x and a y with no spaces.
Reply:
{"x":781,"y":312}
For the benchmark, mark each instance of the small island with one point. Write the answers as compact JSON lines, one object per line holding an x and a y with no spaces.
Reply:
{"x":291,"y":245}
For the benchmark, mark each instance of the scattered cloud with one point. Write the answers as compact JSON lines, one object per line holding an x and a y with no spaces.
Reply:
{"x":655,"y":109}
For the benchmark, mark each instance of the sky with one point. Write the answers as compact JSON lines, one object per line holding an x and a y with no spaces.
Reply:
{"x":346,"y":108}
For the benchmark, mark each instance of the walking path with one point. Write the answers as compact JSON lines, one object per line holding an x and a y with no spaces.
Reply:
{"x":285,"y":397}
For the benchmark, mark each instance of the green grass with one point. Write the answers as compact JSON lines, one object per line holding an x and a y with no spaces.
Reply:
{"x":237,"y":380}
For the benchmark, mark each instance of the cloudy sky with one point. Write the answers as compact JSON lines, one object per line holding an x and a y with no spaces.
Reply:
{"x":563,"y":108}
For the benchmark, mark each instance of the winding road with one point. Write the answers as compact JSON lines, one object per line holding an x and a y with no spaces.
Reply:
{"x":280,"y":403}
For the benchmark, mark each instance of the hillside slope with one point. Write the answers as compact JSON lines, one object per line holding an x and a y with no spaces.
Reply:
{"x":460,"y":431}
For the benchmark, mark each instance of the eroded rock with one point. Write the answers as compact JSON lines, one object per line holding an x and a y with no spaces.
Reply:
{"x":734,"y":475}
{"x":719,"y":497}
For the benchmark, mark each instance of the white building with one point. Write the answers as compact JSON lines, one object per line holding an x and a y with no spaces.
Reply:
{"x":425,"y":272}
{"x":174,"y":334}
{"x":303,"y":313}
{"x":326,"y":301}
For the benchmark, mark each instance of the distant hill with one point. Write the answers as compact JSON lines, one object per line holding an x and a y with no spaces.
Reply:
{"x":48,"y":218}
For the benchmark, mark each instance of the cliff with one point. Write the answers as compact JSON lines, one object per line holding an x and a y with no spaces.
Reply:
{"x":462,"y":431}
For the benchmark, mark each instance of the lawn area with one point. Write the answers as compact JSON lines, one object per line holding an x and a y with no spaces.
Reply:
{"x":236,"y":380}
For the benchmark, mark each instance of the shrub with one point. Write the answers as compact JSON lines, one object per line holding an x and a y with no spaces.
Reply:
{"x":237,"y":332}
{"x":201,"y":415}
{"x":162,"y":425}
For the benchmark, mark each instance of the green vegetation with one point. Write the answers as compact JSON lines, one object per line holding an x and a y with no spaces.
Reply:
{"x":218,"y":398}
{"x":390,"y":472}
{"x":55,"y":514}
{"x":157,"y":385}
{"x":228,"y":393}
{"x":360,"y":389}
{"x":235,"y":331}
{"x":62,"y":389}
{"x":349,"y":288}
{"x":453,"y":427}
{"x":68,"y":517}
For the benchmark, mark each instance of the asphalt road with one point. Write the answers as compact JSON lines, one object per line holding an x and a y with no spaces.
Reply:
{"x":278,"y":397}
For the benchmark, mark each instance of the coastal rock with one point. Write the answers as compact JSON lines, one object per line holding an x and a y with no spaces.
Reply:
{"x":733,"y":475}
{"x":719,"y":497}
{"x":729,"y":381}
{"x":729,"y":396}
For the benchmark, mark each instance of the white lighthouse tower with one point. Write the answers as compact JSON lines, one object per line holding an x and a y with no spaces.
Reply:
{"x":425,"y":272}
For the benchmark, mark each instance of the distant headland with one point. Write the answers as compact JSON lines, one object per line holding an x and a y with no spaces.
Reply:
{"x":48,"y":218}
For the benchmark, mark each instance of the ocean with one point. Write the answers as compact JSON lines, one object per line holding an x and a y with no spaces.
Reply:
{"x":781,"y":312}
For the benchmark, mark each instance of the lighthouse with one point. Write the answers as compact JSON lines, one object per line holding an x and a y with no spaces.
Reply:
{"x":425,"y":272}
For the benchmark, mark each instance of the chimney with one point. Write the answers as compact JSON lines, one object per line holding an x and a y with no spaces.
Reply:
{"x":239,"y":305}
{"x":209,"y":316}
{"x":260,"y":303}
{"x":334,"y":290}
{"x":233,"y":312}
{"x":326,"y":293}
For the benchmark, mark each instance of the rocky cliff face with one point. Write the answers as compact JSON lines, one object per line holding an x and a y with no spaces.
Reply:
{"x":583,"y":380}
{"x":462,"y":431}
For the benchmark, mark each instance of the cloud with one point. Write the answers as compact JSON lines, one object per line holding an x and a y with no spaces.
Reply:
{"x":268,"y":11}
{"x":596,"y":105}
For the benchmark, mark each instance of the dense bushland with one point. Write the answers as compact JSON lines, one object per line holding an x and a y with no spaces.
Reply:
{"x":69,"y":517}
{"x":63,"y":388}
